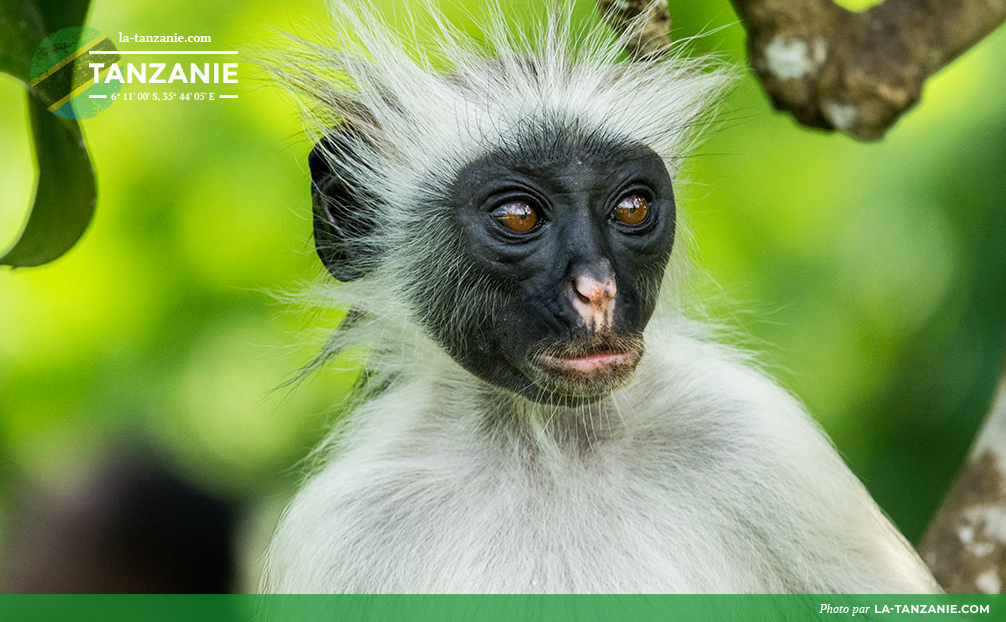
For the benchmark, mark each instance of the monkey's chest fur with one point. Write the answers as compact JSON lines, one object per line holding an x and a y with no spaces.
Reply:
{"x":702,"y":477}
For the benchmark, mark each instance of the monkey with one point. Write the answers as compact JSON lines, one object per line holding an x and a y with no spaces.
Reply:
{"x":541,"y":412}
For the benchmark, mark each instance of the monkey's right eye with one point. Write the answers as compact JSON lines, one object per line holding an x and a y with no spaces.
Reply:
{"x":516,"y":216}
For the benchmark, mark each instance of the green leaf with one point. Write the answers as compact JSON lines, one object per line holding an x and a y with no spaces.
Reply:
{"x":65,"y":194}
{"x":65,"y":190}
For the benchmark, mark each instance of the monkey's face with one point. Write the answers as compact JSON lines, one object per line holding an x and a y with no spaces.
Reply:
{"x":562,"y":247}
{"x":544,"y":262}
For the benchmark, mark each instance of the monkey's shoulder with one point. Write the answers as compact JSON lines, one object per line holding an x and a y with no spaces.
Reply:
{"x":707,"y":477}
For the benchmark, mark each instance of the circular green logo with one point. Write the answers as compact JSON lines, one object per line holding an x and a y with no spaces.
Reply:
{"x":69,"y":72}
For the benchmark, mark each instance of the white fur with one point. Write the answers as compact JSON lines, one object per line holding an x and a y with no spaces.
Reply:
{"x":701,"y":476}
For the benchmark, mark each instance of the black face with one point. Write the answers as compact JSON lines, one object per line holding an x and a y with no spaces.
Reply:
{"x":560,"y":245}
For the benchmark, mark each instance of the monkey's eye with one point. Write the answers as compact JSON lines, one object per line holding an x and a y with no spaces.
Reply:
{"x":631,"y":210}
{"x":516,"y":216}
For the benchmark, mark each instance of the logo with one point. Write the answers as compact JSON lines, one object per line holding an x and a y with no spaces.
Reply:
{"x":62,"y":78}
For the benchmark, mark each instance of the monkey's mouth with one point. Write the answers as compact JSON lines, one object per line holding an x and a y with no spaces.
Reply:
{"x":598,"y":365}
{"x":589,"y":364}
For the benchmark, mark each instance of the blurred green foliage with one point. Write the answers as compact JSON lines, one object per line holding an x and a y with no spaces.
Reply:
{"x":872,"y":278}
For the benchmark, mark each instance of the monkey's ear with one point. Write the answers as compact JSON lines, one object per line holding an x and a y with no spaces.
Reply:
{"x":344,"y":209}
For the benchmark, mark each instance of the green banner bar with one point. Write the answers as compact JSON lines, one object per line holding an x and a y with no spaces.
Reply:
{"x":249,"y":608}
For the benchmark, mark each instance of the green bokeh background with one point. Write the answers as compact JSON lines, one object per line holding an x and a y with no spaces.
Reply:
{"x":871,"y":277}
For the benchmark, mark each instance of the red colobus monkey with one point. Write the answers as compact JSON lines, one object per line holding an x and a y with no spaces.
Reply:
{"x":540,"y":414}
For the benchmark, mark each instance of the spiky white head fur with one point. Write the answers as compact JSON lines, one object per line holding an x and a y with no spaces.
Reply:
{"x":431,"y":110}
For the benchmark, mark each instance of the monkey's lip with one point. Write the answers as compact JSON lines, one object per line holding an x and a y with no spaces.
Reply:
{"x":590,"y":364}
{"x":588,"y":367}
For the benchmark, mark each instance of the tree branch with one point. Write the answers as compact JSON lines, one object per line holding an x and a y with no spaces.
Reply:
{"x":643,"y":25}
{"x":965,"y":545}
{"x":858,"y":72}
{"x":830,"y":67}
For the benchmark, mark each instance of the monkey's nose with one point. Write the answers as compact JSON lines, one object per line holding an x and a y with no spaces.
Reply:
{"x":593,"y":300}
